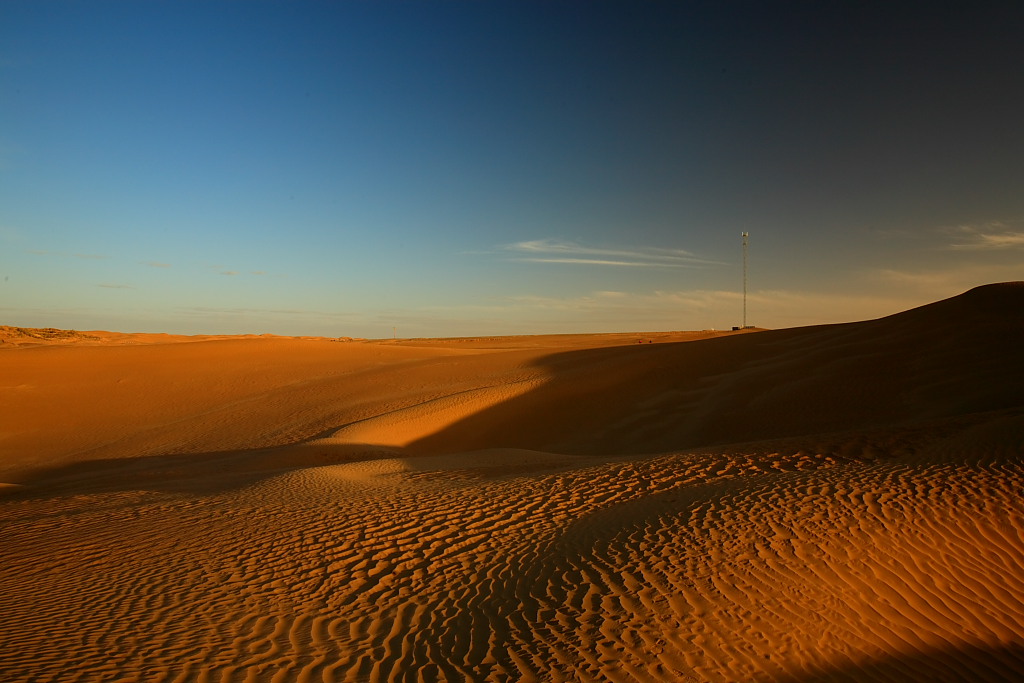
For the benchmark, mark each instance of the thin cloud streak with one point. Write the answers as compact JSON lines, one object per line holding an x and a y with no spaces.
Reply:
{"x":940,"y":283}
{"x":992,"y":236}
{"x":557,"y":251}
{"x":247,"y":311}
{"x":1010,"y":240}
{"x":602,"y":262}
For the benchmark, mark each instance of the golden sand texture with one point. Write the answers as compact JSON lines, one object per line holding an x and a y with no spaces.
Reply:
{"x":522,"y":509}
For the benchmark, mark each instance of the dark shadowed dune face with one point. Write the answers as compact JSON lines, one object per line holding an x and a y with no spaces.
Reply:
{"x":958,"y":356}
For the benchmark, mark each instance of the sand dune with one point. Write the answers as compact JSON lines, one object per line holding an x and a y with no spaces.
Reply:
{"x":836,"y":503}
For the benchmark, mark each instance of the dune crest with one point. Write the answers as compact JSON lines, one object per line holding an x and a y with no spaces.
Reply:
{"x":832,"y":503}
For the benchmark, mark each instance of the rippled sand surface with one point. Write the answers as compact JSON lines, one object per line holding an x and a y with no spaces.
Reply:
{"x":833,"y":503}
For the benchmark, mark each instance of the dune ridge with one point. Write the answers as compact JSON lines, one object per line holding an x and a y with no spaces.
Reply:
{"x":343,"y":513}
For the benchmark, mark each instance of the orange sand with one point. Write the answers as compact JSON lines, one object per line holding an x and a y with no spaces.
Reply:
{"x":833,"y":503}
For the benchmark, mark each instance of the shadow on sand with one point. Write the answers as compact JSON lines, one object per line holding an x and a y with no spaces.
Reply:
{"x":946,"y":665}
{"x":190,"y":474}
{"x":952,"y":358}
{"x":955,"y":357}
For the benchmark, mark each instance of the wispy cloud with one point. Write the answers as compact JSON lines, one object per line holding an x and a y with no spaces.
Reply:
{"x":64,"y":254}
{"x":232,"y":271}
{"x":1002,"y":241}
{"x":560,"y":252}
{"x":213,"y":310}
{"x":955,"y":279}
{"x":990,"y":236}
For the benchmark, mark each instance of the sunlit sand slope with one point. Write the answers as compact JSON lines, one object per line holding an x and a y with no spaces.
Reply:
{"x":848,"y":544}
{"x":66,"y":405}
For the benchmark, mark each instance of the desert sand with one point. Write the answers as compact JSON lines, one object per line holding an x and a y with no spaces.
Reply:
{"x":829,"y":503}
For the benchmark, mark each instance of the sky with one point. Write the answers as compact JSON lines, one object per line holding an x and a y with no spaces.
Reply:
{"x":457,"y":168}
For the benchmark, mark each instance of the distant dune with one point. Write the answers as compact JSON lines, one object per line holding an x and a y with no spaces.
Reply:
{"x":829,"y":503}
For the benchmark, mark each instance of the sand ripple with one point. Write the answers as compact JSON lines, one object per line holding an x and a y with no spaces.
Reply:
{"x":839,"y":503}
{"x":515,"y":565}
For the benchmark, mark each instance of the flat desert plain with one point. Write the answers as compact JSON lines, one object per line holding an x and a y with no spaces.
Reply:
{"x":831,"y":503}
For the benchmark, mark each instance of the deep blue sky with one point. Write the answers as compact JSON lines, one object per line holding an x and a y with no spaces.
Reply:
{"x":461,"y":168}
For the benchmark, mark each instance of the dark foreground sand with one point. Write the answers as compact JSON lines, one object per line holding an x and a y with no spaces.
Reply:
{"x":827,"y":503}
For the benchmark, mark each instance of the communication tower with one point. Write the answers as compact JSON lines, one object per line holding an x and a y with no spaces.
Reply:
{"x":745,"y":235}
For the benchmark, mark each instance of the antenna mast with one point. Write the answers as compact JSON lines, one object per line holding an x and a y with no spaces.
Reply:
{"x":745,"y":235}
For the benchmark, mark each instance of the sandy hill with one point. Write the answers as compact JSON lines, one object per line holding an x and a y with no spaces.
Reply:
{"x":950,"y":358}
{"x":40,"y":335}
{"x":832,"y":503}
